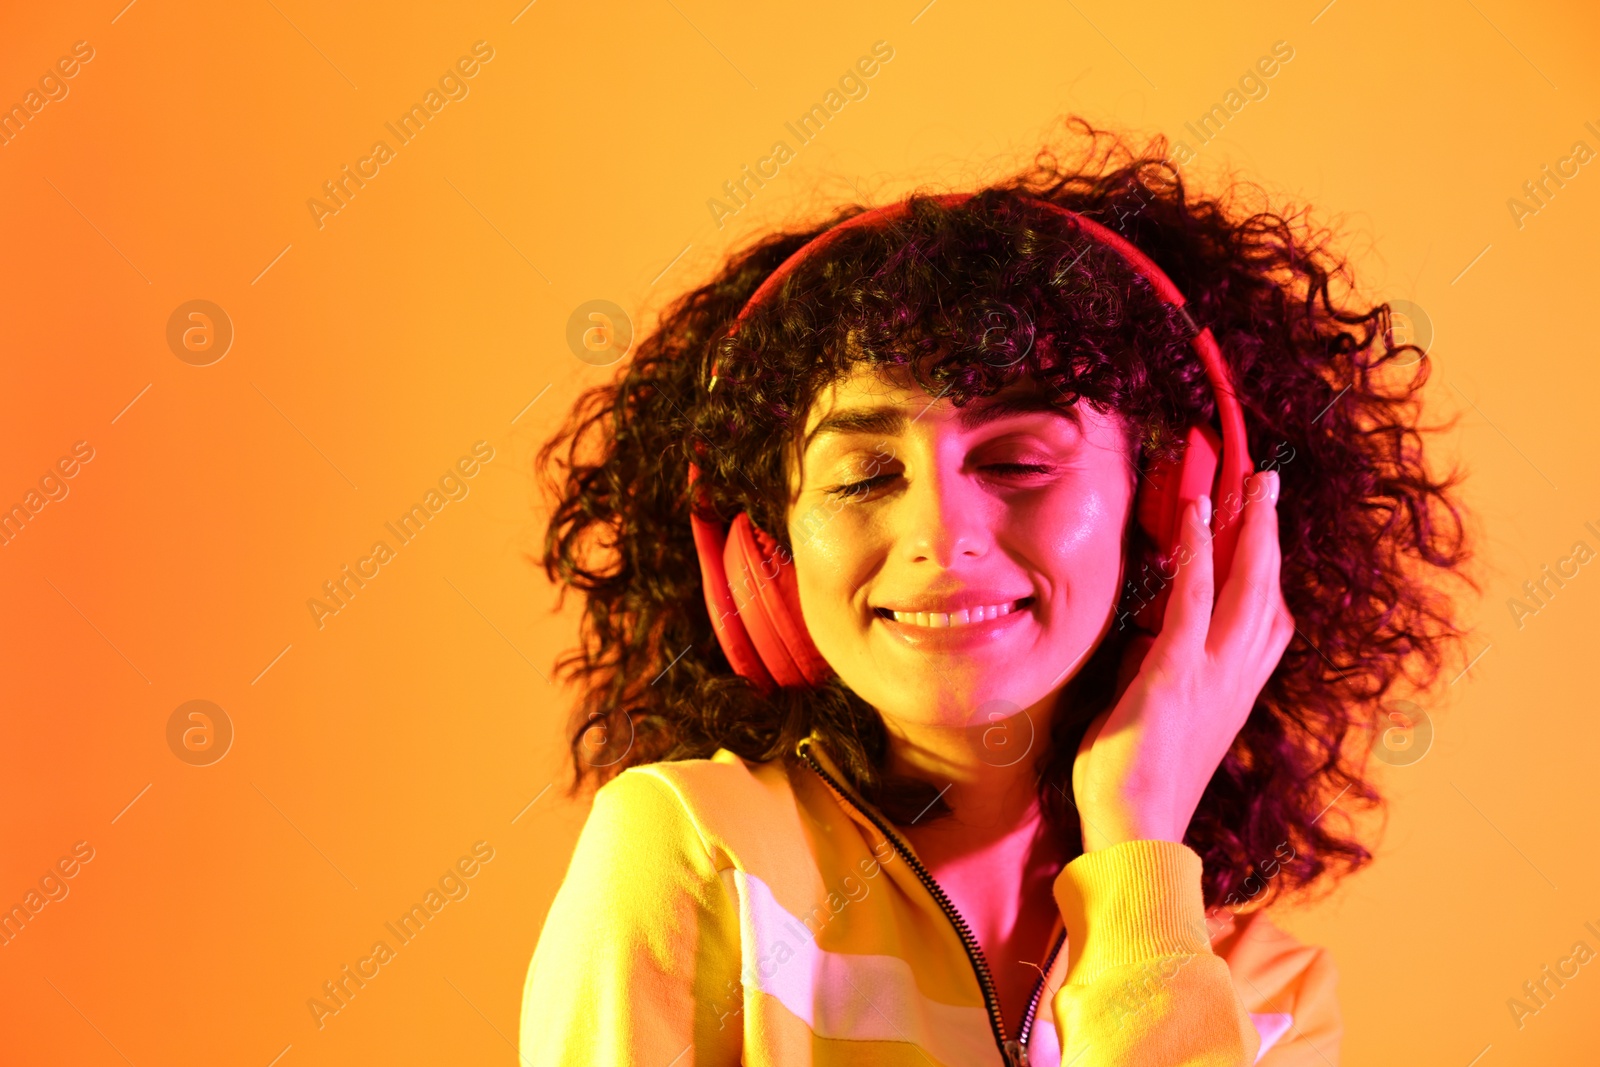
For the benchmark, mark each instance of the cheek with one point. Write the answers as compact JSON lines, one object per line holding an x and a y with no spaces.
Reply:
{"x":832,"y":560}
{"x":825,"y":545}
{"x":1080,"y":542}
{"x":1078,"y":526}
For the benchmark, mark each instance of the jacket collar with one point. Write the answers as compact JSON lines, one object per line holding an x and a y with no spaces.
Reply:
{"x":853,"y":803}
{"x":816,"y":747}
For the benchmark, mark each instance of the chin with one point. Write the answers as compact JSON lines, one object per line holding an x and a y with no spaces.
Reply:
{"x":938,"y":701}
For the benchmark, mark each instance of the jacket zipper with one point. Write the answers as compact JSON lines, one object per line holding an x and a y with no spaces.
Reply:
{"x":1012,"y":1053}
{"x":1033,"y":1001}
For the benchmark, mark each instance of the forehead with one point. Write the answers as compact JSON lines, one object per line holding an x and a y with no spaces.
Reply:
{"x":887,"y":400}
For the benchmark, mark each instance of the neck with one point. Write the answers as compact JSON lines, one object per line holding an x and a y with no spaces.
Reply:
{"x":988,"y":773}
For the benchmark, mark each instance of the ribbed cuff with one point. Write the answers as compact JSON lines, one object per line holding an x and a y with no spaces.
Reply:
{"x":1129,"y":903}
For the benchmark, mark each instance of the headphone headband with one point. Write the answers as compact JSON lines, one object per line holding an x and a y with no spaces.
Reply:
{"x":1165,"y":289}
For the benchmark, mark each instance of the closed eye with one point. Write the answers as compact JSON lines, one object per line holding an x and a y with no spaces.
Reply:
{"x":858,"y":489}
{"x":1019,"y":468}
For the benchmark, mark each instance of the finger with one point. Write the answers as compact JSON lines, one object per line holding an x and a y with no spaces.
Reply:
{"x":1284,"y":628}
{"x":1251,"y":597}
{"x":1264,"y":661}
{"x":1283,"y":632}
{"x":1188,"y":614}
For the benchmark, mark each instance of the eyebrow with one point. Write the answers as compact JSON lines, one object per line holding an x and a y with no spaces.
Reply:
{"x":890,"y":420}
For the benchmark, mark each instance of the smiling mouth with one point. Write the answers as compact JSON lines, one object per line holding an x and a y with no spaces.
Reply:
{"x":935,"y":620}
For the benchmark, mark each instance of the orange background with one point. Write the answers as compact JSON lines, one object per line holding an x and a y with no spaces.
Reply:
{"x":370,"y":354}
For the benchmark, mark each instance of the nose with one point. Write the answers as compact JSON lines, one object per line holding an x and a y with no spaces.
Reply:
{"x":945,"y":515}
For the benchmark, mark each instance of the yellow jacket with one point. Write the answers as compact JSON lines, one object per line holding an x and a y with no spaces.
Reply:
{"x":720,"y":911}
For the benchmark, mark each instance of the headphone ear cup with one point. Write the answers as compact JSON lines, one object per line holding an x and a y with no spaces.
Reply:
{"x":710,"y":543}
{"x":768,"y":595}
{"x":1168,"y":488}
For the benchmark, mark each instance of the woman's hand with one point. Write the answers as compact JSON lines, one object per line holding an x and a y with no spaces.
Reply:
{"x":1144,"y":762}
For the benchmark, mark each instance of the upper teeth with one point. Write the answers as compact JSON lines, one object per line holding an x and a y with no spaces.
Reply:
{"x":954,"y":618}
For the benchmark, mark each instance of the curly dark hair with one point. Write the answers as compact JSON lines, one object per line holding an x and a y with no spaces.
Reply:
{"x":969,"y":298}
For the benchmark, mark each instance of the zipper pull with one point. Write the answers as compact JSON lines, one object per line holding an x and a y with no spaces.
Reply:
{"x":1016,"y":1053}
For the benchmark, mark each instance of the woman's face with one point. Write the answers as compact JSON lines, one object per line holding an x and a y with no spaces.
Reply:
{"x":997,"y":531}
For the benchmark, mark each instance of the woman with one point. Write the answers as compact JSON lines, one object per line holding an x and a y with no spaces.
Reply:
{"x":978,"y":737}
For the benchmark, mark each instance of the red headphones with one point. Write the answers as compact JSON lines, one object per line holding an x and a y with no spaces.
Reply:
{"x":749,"y":582}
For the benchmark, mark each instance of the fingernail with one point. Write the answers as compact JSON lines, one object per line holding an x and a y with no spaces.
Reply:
{"x":1272,"y":487}
{"x":1205,"y":509}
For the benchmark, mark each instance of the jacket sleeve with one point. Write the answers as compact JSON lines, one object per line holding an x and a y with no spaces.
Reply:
{"x":638,"y":959}
{"x":1143,"y":987}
